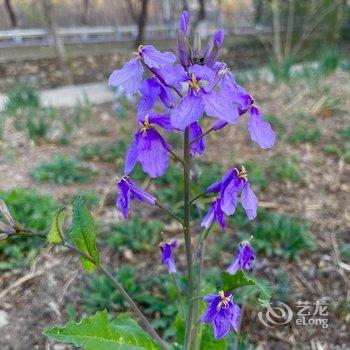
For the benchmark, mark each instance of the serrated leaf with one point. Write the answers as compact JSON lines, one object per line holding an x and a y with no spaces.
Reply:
{"x":239,"y":279}
{"x":263,"y":289}
{"x":82,"y":234}
{"x":97,"y":332}
{"x":55,"y":233}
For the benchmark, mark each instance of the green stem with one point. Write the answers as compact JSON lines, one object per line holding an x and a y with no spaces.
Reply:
{"x":197,"y":329}
{"x":176,"y":157}
{"x":201,"y":136}
{"x":148,"y":327}
{"x":178,"y":290}
{"x":187,"y":235}
{"x":197,"y":197}
{"x":167,"y":211}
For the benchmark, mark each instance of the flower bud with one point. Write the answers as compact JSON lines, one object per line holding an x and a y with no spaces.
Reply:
{"x":5,"y":214}
{"x":4,"y":228}
{"x":3,"y":236}
{"x":183,"y":48}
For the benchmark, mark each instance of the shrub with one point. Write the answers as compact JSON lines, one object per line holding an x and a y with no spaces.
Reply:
{"x":135,"y":235}
{"x":285,"y":170}
{"x":304,"y":134}
{"x":33,"y":209}
{"x":104,"y":152}
{"x":62,"y":170}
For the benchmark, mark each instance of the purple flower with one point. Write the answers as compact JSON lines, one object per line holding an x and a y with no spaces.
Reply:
{"x":243,"y":260}
{"x":167,"y":255}
{"x":150,"y":90}
{"x":149,"y":148}
{"x":129,"y":190}
{"x":154,"y":58}
{"x":214,"y":214}
{"x":201,"y":97}
{"x":260,"y":130}
{"x":197,"y":147}
{"x":129,"y":76}
{"x":233,"y":183}
{"x":222,"y":313}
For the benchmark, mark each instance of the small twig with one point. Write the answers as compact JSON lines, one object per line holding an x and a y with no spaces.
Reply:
{"x":201,"y":136}
{"x":167,"y":211}
{"x":22,"y":280}
{"x":177,"y":157}
{"x":197,"y":197}
{"x":337,"y":258}
{"x":105,"y":195}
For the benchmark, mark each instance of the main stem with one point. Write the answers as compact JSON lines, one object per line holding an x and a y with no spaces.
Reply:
{"x":186,"y":159}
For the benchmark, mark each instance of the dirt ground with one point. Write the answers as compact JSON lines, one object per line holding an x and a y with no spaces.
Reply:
{"x":33,"y":298}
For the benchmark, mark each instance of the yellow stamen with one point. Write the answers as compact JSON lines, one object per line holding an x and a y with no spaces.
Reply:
{"x":194,"y":83}
{"x":243,"y":173}
{"x":225,"y":301}
{"x":146,"y":124}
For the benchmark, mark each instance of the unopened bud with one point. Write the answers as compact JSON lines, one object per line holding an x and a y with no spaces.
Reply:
{"x":4,"y":228}
{"x":5,"y":213}
{"x":3,"y":236}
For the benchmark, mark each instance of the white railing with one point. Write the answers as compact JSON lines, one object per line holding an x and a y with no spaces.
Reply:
{"x":79,"y":35}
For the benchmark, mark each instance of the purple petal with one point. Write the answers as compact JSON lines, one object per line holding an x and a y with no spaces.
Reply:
{"x":208,"y":220}
{"x":171,"y":76}
{"x":167,"y":255}
{"x":221,"y":325}
{"x":189,"y":110}
{"x":219,"y":124}
{"x":156,"y":59}
{"x":150,"y":91}
{"x":210,"y":312}
{"x":260,"y":130}
{"x":140,"y":194}
{"x":131,"y":156}
{"x":202,"y":72}
{"x":123,"y":199}
{"x":219,"y":106}
{"x":162,"y":120}
{"x":153,"y":153}
{"x":129,"y":76}
{"x":197,"y":147}
{"x":240,"y":97}
{"x":167,"y":97}
{"x":233,"y":268}
{"x":249,"y":201}
{"x":229,"y":197}
{"x":235,"y":317}
{"x":184,"y":20}
{"x":215,"y":187}
{"x":210,"y":298}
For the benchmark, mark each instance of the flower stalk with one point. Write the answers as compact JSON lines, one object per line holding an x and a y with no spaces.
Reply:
{"x":187,"y":236}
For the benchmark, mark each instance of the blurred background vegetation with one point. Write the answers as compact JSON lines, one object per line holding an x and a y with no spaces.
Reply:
{"x":294,"y":58}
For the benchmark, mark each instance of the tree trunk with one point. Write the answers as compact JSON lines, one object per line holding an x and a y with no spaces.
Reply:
{"x":277,"y":42}
{"x":142,"y":23}
{"x":57,"y":41}
{"x":132,"y":10}
{"x":85,"y":13}
{"x":11,"y":13}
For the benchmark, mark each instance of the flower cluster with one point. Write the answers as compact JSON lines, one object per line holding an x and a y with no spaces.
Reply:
{"x":178,"y":94}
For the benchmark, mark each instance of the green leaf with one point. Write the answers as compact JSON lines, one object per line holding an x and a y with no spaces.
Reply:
{"x":239,"y":279}
{"x":262,"y":288}
{"x":82,"y":234}
{"x":208,"y":342}
{"x":55,"y":233}
{"x":97,"y":332}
